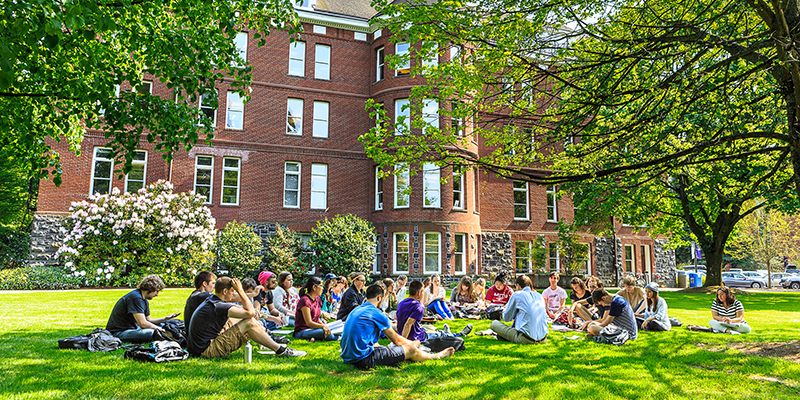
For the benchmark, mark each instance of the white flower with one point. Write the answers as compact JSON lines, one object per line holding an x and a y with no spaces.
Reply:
{"x":108,"y":276}
{"x":83,"y":273}
{"x":99,"y":271}
{"x":68,"y":264}
{"x":105,"y":263}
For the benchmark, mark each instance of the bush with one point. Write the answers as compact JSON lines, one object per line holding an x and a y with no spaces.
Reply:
{"x":37,"y":278}
{"x":285,"y":253}
{"x":237,"y":249}
{"x":343,"y":245}
{"x":15,"y":246}
{"x":120,"y":238}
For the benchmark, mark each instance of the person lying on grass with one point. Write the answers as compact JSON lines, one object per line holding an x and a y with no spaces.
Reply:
{"x":727,"y":313}
{"x":363,"y":329}
{"x":526,"y":308}
{"x":352,"y":297}
{"x":620,"y":314}
{"x":634,"y":295}
{"x":655,"y":316}
{"x":307,"y":324}
{"x":218,"y":328}
{"x":203,"y":288}
{"x":555,"y":298}
{"x":130,"y":318}
{"x":410,"y":312}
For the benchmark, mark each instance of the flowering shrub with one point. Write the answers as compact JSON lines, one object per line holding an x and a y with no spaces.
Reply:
{"x":37,"y":278}
{"x":285,"y":253}
{"x":119,"y":238}
{"x":237,"y":249}
{"x":15,"y":245}
{"x":343,"y":244}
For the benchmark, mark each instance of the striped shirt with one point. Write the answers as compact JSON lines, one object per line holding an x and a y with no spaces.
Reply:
{"x":729,"y":312}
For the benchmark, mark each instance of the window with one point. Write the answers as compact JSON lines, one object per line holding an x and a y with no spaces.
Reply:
{"x":520,"y":200}
{"x":319,"y":186}
{"x":586,"y":260}
{"x":476,"y":184}
{"x":430,"y":113}
{"x":647,"y":266}
{"x":455,"y":54}
{"x":294,"y":117}
{"x":402,"y":117}
{"x":522,"y":252}
{"x":401,"y":252}
{"x":291,"y":185}
{"x":322,"y":62}
{"x":555,"y":260}
{"x":404,"y":66}
{"x":116,"y":96}
{"x":551,"y":204}
{"x":297,"y":59}
{"x":459,"y":200}
{"x":235,"y":114}
{"x":432,"y":60}
{"x":102,"y":170}
{"x":432,"y":257}
{"x":204,"y":176}
{"x":431,"y":186}
{"x":230,"y":181}
{"x":528,"y":139}
{"x":136,"y":178}
{"x":459,"y":259}
{"x":208,"y":108}
{"x":629,"y":264}
{"x":145,"y":87}
{"x":456,"y":120}
{"x":241,"y":45}
{"x":380,"y":62}
{"x":319,"y":29}
{"x":378,"y":189}
{"x":376,"y":268}
{"x":321,"y":113}
{"x":402,"y":192}
{"x":377,"y":34}
{"x":360,"y":36}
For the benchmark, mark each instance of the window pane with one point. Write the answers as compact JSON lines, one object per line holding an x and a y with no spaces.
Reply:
{"x":290,"y":198}
{"x":231,"y":162}
{"x":294,"y":124}
{"x":292,"y":182}
{"x":520,"y":212}
{"x":203,"y":177}
{"x":205,"y":191}
{"x":204,"y":161}
{"x":318,"y":199}
{"x":134,"y":186}
{"x":101,"y":186}
{"x":230,"y":178}
{"x":520,"y":197}
{"x":137,"y":173}
{"x":102,"y":169}
{"x":229,"y":195}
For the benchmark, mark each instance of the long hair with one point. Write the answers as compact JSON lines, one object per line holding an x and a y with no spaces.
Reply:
{"x":471,"y":295}
{"x":480,"y":285}
{"x":579,"y":282}
{"x":282,"y":278}
{"x":730,"y":298}
{"x":310,"y":283}
{"x":651,"y":304}
{"x":327,"y":290}
{"x":389,"y":293}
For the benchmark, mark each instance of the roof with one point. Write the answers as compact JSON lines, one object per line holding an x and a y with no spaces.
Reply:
{"x":356,"y":8}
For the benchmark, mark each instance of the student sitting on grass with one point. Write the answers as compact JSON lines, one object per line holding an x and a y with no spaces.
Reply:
{"x":329,"y":304}
{"x":500,"y":292}
{"x":633,"y":294}
{"x":620,"y":314}
{"x":578,"y":312}
{"x":435,"y":298}
{"x":480,"y":292}
{"x":464,"y":293}
{"x":285,"y":296}
{"x":339,"y":289}
{"x":728,"y":313}
{"x":555,"y":298}
{"x":655,"y":316}
{"x":130,"y":318}
{"x":353,"y":297}
{"x":400,"y":287}
{"x":410,"y":312}
{"x":203,"y":288}
{"x":363,"y":329}
{"x":218,"y":327}
{"x":526,"y":308}
{"x":307,"y":324}
{"x":389,"y":299}
{"x":264,"y":303}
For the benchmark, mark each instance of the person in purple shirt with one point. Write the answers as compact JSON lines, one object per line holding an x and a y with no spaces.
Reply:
{"x":409,"y":315}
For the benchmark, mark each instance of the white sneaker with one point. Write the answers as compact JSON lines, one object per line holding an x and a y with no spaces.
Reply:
{"x":446,"y":328}
{"x":732,"y":332}
{"x":290,"y":352}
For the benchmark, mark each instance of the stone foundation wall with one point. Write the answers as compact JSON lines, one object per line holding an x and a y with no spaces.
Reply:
{"x":497,"y":255}
{"x":46,"y":238}
{"x":607,"y":262}
{"x":665,"y":272}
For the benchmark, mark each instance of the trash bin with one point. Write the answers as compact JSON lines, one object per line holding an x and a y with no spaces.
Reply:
{"x":694,"y":280}
{"x":682,"y":281}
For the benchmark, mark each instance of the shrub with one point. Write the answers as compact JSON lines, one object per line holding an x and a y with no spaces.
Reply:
{"x":37,"y":278}
{"x":237,"y":249}
{"x":342,"y":245}
{"x":15,"y":246}
{"x":119,"y":238}
{"x":284,"y":252}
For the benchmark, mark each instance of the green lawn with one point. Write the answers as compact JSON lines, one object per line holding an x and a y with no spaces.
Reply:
{"x":657,"y":365}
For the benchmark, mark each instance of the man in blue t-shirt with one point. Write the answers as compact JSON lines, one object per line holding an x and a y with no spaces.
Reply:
{"x":130,"y":318}
{"x":409,"y":315}
{"x":363,"y":329}
{"x":620,"y":314}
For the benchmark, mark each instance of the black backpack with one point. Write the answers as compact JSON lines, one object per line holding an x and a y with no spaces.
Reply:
{"x":162,"y":351}
{"x":440,"y":343}
{"x":613,"y":334}
{"x":80,"y":342}
{"x":175,"y":331}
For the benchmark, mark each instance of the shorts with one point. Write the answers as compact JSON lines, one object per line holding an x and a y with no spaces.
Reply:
{"x":228,"y":341}
{"x":384,"y":355}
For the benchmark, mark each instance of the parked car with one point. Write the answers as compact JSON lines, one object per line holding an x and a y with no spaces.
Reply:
{"x":777,"y":276}
{"x":753,"y":274}
{"x":792,"y":269}
{"x":735,"y":279}
{"x":791,"y":282}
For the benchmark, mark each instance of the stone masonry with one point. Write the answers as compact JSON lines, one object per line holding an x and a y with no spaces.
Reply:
{"x":46,"y":238}
{"x":497,"y":255}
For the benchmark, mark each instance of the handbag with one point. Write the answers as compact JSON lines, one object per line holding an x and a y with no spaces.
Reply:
{"x":440,"y":343}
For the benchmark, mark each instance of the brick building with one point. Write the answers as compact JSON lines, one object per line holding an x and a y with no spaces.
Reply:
{"x":291,"y":156}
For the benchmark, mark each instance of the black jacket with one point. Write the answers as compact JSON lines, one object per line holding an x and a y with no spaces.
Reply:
{"x":351,"y":299}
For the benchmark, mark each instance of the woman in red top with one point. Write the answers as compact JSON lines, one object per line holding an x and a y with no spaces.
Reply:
{"x":307,"y":324}
{"x":500,"y":292}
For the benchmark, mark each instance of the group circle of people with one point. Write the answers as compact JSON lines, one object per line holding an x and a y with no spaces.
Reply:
{"x":223,"y":313}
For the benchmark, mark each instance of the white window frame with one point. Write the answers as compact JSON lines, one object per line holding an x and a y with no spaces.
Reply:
{"x":526,"y":258}
{"x":378,"y":189}
{"x":380,"y":64}
{"x":431,"y":62}
{"x":551,"y":259}
{"x":297,"y":58}
{"x":527,"y":200}
{"x":376,"y":268}
{"x":431,"y":186}
{"x":320,"y":30}
{"x":403,"y":174}
{"x":430,"y":113}
{"x":458,"y":178}
{"x":455,"y":53}
{"x":647,"y":265}
{"x":402,"y":109}
{"x":552,"y":203}
{"x":197,"y":167}
{"x":377,"y":34}
{"x":319,"y":185}
{"x":320,"y":62}
{"x":143,"y":163}
{"x":403,"y":69}
{"x":240,"y":41}
{"x":425,"y":253}
{"x":456,"y":122}
{"x":305,"y":237}
{"x":233,"y":106}
{"x":396,"y":252}
{"x":630,"y":261}
{"x":322,"y":112}
{"x":149,"y":87}
{"x":360,"y":36}
{"x":298,"y":126}
{"x":238,"y":170}
{"x":462,"y":253}
{"x":286,"y":173}
{"x":214,"y":109}
{"x":110,"y":178}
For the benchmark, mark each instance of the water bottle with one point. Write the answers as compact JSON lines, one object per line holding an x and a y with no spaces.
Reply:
{"x":248,"y":353}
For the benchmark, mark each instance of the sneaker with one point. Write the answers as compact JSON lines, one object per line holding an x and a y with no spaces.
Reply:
{"x":732,"y":332}
{"x":467,"y":329}
{"x":279,"y":339}
{"x":290,"y":352}
{"x":446,"y":328}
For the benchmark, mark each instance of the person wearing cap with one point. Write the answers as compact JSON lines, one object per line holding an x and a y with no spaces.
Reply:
{"x":353,"y":297}
{"x":500,"y":293}
{"x":655,"y":315}
{"x":263,"y":302}
{"x":329,"y":303}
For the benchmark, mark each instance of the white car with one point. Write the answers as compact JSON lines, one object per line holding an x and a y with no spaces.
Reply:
{"x":777,"y":276}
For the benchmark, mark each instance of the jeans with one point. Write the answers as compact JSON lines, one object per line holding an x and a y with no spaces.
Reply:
{"x":740,"y":327}
{"x":441,"y":308}
{"x":316,"y":334}
{"x":437,"y":334}
{"x":269,"y":325}
{"x":136,"y":335}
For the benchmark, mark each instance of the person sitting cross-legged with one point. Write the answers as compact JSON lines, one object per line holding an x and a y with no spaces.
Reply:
{"x":409,"y":315}
{"x":352,"y":297}
{"x":527,"y":309}
{"x":728,"y":313}
{"x":203,"y":288}
{"x":307,"y":324}
{"x":555,"y":297}
{"x":619,"y":314}
{"x":130,"y":318}
{"x":218,"y":327}
{"x":363,"y":329}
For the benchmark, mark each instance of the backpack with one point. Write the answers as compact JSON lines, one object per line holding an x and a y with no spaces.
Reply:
{"x":675,"y":322}
{"x":440,"y":343}
{"x":174,"y":330}
{"x":162,"y":351}
{"x":613,"y":334}
{"x":80,"y":342}
{"x":494,"y":312}
{"x":97,"y":340}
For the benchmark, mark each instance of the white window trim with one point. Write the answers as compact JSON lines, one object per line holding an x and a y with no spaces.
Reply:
{"x":299,"y":126}
{"x":238,"y":181}
{"x":208,"y":167}
{"x":144,"y":169}
{"x":550,"y":257}
{"x":299,"y":181}
{"x":404,"y":67}
{"x":378,"y":189}
{"x":376,"y":268}
{"x":528,"y":261}
{"x":318,"y":61}
{"x":632,"y":259}
{"x":302,"y":61}
{"x":462,"y":197}
{"x":320,"y":29}
{"x":463,"y":253}
{"x":230,"y":108}
{"x":94,"y":163}
{"x":318,"y":117}
{"x":425,"y":253}
{"x":551,"y":196}
{"x":428,"y":171}
{"x":316,"y":190}
{"x":150,"y":83}
{"x":380,"y":63}
{"x":377,"y":34}
{"x":394,"y":253}
{"x":399,"y":112}
{"x":429,"y":118}
{"x":432,"y":62}
{"x":404,"y":170}
{"x":527,"y":201}
{"x":200,"y":107}
{"x":647,"y":264}
{"x":242,"y":50}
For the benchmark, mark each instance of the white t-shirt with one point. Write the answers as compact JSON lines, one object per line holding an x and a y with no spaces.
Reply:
{"x":554,"y":298}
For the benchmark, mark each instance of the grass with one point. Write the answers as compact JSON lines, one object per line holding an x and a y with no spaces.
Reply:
{"x":657,"y":365}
